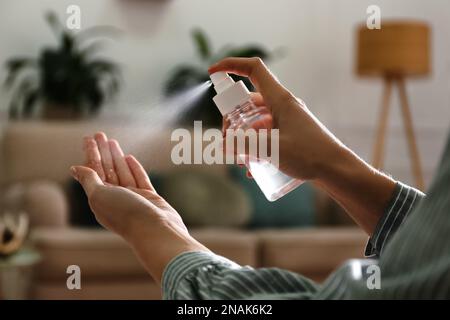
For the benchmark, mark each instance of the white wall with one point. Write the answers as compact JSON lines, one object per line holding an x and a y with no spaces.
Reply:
{"x":318,"y":36}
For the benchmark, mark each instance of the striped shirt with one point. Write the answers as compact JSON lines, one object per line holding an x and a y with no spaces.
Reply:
{"x":409,"y":252}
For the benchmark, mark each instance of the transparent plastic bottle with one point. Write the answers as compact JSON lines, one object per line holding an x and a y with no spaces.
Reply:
{"x":234,"y":102}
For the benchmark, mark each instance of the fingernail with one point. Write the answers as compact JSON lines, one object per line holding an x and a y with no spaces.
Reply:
{"x":85,"y":143}
{"x":212,"y":66}
{"x":73,"y":172}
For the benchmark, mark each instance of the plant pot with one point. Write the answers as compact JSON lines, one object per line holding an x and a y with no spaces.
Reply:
{"x":60,"y":112}
{"x":16,"y":274}
{"x":15,"y":282}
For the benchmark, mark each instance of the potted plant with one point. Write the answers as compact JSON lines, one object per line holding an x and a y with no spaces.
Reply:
{"x":16,"y":259}
{"x":67,"y":80}
{"x":186,"y":76}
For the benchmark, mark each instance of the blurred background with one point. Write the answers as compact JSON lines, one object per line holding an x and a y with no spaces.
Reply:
{"x":60,"y":85}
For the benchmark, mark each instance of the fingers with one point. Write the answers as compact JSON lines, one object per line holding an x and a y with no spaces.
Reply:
{"x":107,"y":160}
{"x":257,"y":99}
{"x":225,"y":124}
{"x":87,"y":177}
{"x":240,"y":147}
{"x":254,"y":68}
{"x":255,"y":142}
{"x":139,"y":173}
{"x":121,"y":166}
{"x":92,"y":156}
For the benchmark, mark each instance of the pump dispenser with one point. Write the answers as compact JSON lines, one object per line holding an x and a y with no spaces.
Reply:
{"x":234,"y":102}
{"x":230,"y":94}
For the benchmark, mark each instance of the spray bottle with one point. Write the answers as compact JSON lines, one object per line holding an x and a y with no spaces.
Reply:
{"x":234,"y":102}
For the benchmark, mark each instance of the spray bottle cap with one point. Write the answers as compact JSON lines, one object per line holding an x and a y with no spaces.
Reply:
{"x":230,"y":94}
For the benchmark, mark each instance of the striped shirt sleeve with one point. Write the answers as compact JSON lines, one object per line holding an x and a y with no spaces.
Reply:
{"x":404,"y":199}
{"x":204,"y":275}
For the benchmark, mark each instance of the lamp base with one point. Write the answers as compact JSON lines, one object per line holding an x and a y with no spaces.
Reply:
{"x":378,"y":154}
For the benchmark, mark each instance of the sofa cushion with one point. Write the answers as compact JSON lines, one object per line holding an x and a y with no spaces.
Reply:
{"x":98,"y":253}
{"x":46,"y":150}
{"x":295,"y":209}
{"x":206,"y":200}
{"x":43,"y":201}
{"x":111,"y":289}
{"x":239,"y":246}
{"x":101,"y":254}
{"x":313,"y":252}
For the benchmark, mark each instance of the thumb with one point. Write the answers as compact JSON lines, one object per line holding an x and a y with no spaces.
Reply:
{"x":87,"y":177}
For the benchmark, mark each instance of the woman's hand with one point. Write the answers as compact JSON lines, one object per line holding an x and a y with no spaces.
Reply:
{"x":304,"y":143}
{"x":124,"y":201}
{"x":308,"y":151}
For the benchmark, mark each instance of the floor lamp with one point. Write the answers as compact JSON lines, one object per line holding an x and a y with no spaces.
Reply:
{"x":398,"y":50}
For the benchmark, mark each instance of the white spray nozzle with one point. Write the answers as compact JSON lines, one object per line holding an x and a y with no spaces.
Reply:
{"x":230,"y":94}
{"x":221,"y":81}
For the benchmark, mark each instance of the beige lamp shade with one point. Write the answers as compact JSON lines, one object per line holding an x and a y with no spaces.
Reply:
{"x":399,"y":48}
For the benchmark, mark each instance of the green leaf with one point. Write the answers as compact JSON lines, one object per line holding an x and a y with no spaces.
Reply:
{"x":94,"y":97}
{"x":183,"y":77}
{"x":91,"y":49}
{"x":54,"y":23}
{"x":112,"y":88}
{"x":67,"y":42}
{"x":21,"y":98}
{"x":13,"y":110}
{"x":202,"y":44}
{"x":29,"y":102}
{"x":246,"y":52}
{"x":14,"y":67}
{"x":105,"y":32}
{"x":103,"y":66}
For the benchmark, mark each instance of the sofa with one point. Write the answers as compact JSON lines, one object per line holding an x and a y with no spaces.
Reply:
{"x":35,"y":161}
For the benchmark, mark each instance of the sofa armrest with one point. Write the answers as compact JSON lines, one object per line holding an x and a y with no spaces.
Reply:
{"x":313,"y":252}
{"x":44,"y":201}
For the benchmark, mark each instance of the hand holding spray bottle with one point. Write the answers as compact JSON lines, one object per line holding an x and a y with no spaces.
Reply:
{"x":234,"y":102}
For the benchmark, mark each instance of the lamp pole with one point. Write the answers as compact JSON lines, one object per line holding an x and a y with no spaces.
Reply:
{"x":379,"y":147}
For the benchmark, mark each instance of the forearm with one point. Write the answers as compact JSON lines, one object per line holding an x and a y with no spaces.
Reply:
{"x":156,"y":243}
{"x":361,"y":190}
{"x":200,"y":275}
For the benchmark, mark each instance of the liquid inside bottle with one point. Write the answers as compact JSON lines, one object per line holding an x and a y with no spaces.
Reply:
{"x":272,"y":182}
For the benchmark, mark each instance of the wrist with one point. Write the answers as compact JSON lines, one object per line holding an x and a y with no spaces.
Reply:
{"x":359,"y":188}
{"x":134,"y":226}
{"x":155,"y":258}
{"x":157,"y":241}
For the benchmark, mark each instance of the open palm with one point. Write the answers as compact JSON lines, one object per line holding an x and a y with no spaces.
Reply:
{"x":119,"y":189}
